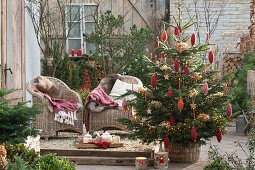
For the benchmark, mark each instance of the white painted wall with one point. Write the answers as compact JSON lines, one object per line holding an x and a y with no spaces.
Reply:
{"x":32,"y":53}
{"x":234,"y":22}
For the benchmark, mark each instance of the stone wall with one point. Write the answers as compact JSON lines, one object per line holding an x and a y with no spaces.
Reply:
{"x":234,"y":21}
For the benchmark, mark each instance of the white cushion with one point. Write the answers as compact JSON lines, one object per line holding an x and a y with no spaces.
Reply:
{"x":120,"y":88}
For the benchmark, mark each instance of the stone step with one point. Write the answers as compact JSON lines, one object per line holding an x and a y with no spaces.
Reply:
{"x":109,"y":161}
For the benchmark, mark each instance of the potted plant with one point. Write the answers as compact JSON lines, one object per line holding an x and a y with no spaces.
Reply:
{"x":186,"y":102}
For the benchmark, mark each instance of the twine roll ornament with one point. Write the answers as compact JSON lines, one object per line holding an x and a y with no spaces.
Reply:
{"x":193,"y":39}
{"x":153,"y":82}
{"x":176,"y":65}
{"x":210,"y":57}
{"x":164,"y":36}
{"x":205,"y":88}
{"x":219,"y":135}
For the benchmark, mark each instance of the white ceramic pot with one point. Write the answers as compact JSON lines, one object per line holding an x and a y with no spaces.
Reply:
{"x":115,"y":139}
{"x":106,"y":137}
{"x":87,"y":138}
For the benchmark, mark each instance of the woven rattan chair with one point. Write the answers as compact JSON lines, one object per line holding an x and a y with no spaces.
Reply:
{"x":106,"y":119}
{"x":45,"y":120}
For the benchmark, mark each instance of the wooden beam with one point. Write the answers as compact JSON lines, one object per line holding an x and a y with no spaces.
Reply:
{"x":138,"y":12}
{"x":3,"y":40}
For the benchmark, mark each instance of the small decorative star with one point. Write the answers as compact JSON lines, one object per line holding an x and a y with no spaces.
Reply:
{"x":163,"y":59}
{"x":141,"y":163}
{"x":191,"y":61}
{"x":149,"y":111}
{"x":166,"y":77}
{"x":193,"y":106}
{"x":161,"y":160}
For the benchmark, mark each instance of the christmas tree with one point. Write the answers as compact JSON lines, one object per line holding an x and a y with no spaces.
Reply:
{"x":186,"y":102}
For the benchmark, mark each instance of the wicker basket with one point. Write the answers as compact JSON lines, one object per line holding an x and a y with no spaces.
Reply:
{"x":181,"y":154}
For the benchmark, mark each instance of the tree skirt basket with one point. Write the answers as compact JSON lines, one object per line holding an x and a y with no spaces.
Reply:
{"x":181,"y":154}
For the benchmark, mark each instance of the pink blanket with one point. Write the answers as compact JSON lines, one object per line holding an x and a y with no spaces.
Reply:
{"x":101,"y":98}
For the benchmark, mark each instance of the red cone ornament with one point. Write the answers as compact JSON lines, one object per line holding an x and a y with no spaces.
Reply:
{"x":169,"y":94}
{"x":176,"y":31}
{"x":193,"y":39}
{"x":229,"y":110}
{"x":210,"y":57}
{"x":164,"y":36}
{"x":176,"y":65}
{"x":157,"y":42}
{"x":186,"y":70}
{"x":180,"y":104}
{"x":171,"y":120}
{"x":194,"y":134}
{"x":166,"y":142}
{"x":153,"y":81}
{"x":219,"y":135}
{"x":124,"y":105}
{"x":205,"y":88}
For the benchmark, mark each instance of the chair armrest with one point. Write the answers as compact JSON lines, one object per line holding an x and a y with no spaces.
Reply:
{"x":72,"y":95}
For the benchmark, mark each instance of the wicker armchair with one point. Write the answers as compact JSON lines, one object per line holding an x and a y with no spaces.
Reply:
{"x":106,"y":119}
{"x":45,"y":120}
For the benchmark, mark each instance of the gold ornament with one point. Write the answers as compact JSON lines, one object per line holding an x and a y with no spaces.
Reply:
{"x":183,"y":46}
{"x":156,"y":103}
{"x":217,"y":94}
{"x":142,"y":90}
{"x":195,"y":76}
{"x":165,"y":124}
{"x":149,"y":111}
{"x":166,"y":77}
{"x":204,"y":116}
{"x":135,"y":120}
{"x":193,"y":106}
{"x":165,"y":68}
{"x":192,"y":93}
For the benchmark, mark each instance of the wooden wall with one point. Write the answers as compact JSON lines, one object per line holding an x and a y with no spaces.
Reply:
{"x":12,"y":45}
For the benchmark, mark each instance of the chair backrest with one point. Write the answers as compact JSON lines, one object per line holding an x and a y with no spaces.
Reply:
{"x":107,"y":82}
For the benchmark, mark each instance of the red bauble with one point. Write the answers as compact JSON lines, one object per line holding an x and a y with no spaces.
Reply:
{"x":176,"y":65}
{"x":219,"y":135}
{"x":180,"y":104}
{"x":124,"y":105}
{"x":169,"y":94}
{"x":164,"y":36}
{"x":166,"y":142}
{"x":176,"y":31}
{"x":210,"y":57}
{"x":171,"y":120}
{"x":194,"y":134}
{"x":186,"y":70}
{"x":153,"y":81}
{"x":205,"y":88}
{"x":193,"y":39}
{"x":229,"y":110}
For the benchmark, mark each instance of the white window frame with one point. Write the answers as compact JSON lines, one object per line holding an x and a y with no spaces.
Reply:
{"x":82,"y":25}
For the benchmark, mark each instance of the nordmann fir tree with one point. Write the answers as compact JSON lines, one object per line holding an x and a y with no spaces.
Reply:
{"x":186,"y":102}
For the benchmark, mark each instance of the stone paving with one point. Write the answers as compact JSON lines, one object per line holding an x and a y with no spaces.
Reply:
{"x":227,"y":145}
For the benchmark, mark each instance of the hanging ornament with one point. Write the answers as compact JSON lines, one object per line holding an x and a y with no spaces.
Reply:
{"x":176,"y":65}
{"x":157,"y":42}
{"x":166,"y":77}
{"x":193,"y":39}
{"x":153,"y":82}
{"x":164,"y":36}
{"x":205,"y":88}
{"x":176,"y":31}
{"x":193,"y":105}
{"x":194,"y":134}
{"x":186,"y":70}
{"x":124,"y":105}
{"x":226,"y":90}
{"x":180,"y":104}
{"x":207,"y":36}
{"x":169,"y":94}
{"x":171,"y":121}
{"x":149,"y":111}
{"x":210,"y":57}
{"x":219,"y":135}
{"x":179,"y":84}
{"x":229,"y":110}
{"x":166,"y":141}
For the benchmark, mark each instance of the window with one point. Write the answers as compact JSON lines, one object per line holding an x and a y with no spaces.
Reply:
{"x":79,"y":20}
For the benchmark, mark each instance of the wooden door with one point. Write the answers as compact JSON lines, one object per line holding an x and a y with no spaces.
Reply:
{"x":12,"y":51}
